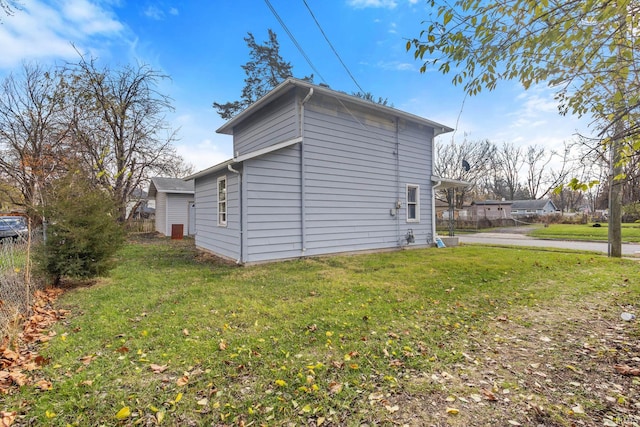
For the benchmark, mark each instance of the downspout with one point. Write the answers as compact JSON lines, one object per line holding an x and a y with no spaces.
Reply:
{"x":303,"y":216}
{"x":434,"y":189}
{"x":240,"y":219}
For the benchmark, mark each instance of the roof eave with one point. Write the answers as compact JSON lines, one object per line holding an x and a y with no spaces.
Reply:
{"x":212,"y":169}
{"x":227,"y":128}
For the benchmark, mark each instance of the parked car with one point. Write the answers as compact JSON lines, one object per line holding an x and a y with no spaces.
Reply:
{"x":13,"y":227}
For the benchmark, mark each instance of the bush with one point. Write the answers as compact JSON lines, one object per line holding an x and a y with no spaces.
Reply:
{"x":83,"y":233}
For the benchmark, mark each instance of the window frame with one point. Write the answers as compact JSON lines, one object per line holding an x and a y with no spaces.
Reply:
{"x":222,"y":204}
{"x":415,"y":203}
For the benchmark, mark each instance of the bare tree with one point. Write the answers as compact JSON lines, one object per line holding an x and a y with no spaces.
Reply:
{"x":33,"y":138}
{"x":542,"y":178}
{"x":507,"y":162}
{"x":120,"y":128}
{"x":466,"y":161}
{"x":8,"y":7}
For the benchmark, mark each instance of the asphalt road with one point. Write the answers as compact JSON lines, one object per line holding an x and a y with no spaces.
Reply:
{"x":516,"y":239}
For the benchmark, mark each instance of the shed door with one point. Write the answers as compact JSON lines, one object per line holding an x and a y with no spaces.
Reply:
{"x":192,"y":218}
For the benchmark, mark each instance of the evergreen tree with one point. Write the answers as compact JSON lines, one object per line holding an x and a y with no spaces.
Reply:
{"x":83,"y":232}
{"x":265,"y":70}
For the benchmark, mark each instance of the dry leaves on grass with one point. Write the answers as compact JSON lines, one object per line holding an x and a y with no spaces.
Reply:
{"x":18,"y":358}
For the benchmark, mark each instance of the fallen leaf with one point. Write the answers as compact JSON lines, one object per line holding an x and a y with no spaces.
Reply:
{"x":335,"y":388}
{"x":578,"y":409}
{"x":88,"y":383}
{"x":392,"y":409}
{"x":182,"y":381}
{"x":627,"y":370}
{"x":476,"y":398}
{"x":514,"y":423}
{"x":123,"y":350}
{"x":86,"y":360}
{"x":453,"y":411}
{"x":203,"y":402}
{"x":44,"y":385}
{"x":7,"y":418}
{"x":123,"y":413}
{"x":488,"y":394}
{"x":281,"y":383}
{"x":222,"y":346}
{"x":185,"y":331}
{"x":158,"y":369}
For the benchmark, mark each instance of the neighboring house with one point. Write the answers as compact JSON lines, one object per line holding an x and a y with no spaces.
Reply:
{"x":139,"y":206}
{"x":318,"y":171}
{"x":489,"y":209}
{"x":533,"y":207}
{"x":174,"y":205}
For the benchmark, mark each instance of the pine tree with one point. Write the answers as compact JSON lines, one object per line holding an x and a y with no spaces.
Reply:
{"x":265,"y":70}
{"x":83,"y":232}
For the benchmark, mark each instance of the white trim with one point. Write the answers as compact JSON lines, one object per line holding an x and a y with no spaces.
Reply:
{"x":416,"y":203}
{"x":222,"y":223}
{"x":267,"y":150}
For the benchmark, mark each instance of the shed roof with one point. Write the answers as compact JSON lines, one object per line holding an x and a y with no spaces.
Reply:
{"x":492,"y":202}
{"x":291,"y":83}
{"x":170,"y":185}
{"x":531,"y":204}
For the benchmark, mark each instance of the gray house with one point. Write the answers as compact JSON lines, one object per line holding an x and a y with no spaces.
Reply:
{"x":316,"y":171}
{"x":533,"y":207}
{"x":174,"y":199}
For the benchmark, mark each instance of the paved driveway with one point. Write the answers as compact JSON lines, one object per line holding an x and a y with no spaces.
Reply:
{"x":516,"y":239}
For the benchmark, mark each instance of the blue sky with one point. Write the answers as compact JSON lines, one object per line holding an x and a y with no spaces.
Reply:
{"x":200,"y":45}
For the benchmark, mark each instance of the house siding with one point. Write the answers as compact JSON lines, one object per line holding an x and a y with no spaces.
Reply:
{"x":161,"y":213}
{"x":273,"y":205}
{"x":277,"y":122}
{"x":339,"y":184}
{"x":352,"y":180}
{"x":416,"y":162}
{"x":224,"y":241}
{"x":178,"y":211}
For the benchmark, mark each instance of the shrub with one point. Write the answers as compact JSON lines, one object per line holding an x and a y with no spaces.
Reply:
{"x":83,"y":233}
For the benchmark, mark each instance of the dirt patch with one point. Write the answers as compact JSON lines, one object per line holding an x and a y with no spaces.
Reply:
{"x":546,"y":366}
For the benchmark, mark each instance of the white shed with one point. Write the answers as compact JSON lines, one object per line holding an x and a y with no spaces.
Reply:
{"x":175,"y":205}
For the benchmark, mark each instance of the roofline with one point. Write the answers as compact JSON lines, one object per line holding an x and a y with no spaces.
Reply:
{"x":212,"y":169}
{"x":227,"y":128}
{"x":444,"y":183}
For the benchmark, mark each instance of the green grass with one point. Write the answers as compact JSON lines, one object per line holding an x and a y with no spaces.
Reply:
{"x":287,"y":342}
{"x":630,"y":232}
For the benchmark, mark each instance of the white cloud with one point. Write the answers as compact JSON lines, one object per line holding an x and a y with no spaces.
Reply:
{"x":397,"y":66}
{"x":154,"y":13}
{"x":199,"y":145}
{"x":362,"y":4}
{"x":39,"y":31}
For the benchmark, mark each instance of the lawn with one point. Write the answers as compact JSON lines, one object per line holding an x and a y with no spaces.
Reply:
{"x":458,"y":336}
{"x":630,"y":232}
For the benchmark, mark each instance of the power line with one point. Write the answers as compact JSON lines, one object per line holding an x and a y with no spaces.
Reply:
{"x":332,"y":48}
{"x":293,"y":39}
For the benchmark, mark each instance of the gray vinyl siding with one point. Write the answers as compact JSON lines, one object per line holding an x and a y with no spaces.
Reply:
{"x":277,"y":122}
{"x":224,"y":241}
{"x":161,"y":213}
{"x":415,"y":166}
{"x":272,"y":205}
{"x":178,"y":211}
{"x":351,"y":181}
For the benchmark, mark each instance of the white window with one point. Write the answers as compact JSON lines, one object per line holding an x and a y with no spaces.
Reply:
{"x":413,"y":203}
{"x":222,"y":201}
